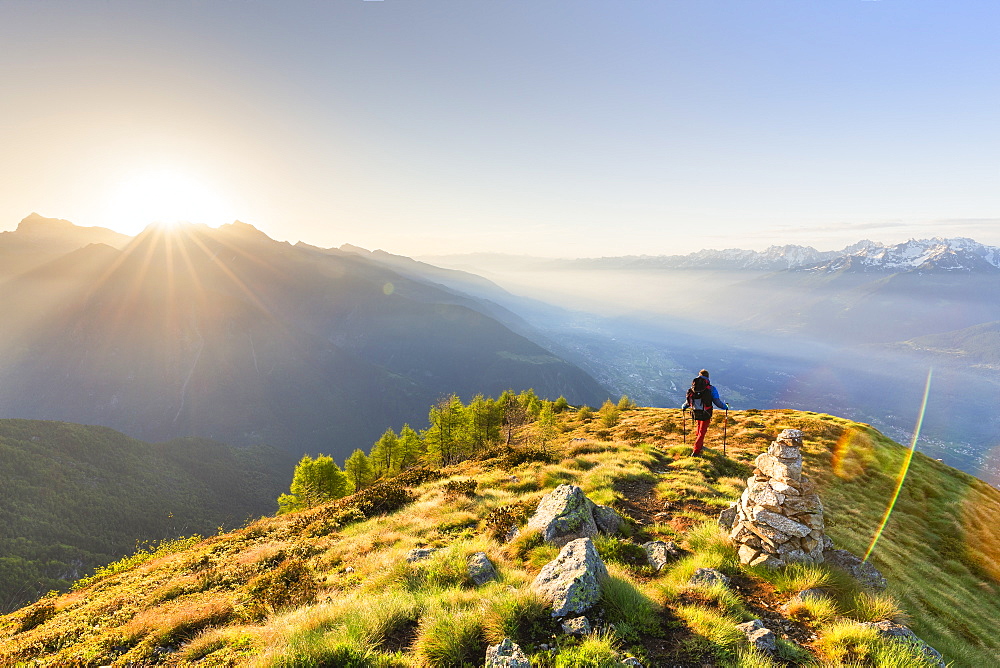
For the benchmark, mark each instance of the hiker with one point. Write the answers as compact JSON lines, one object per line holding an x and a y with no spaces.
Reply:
{"x":700,"y":397}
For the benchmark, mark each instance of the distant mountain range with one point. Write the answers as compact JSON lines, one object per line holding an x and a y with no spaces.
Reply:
{"x":937,"y":254}
{"x":227,"y":334}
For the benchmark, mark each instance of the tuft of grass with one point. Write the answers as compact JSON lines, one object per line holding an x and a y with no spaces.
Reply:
{"x":449,"y":637}
{"x":525,"y":542}
{"x":617,"y":551}
{"x":632,"y":612}
{"x":870,"y":607}
{"x":813,"y":610}
{"x":520,"y":615}
{"x":794,"y":577}
{"x":715,"y":632}
{"x":596,"y":650}
{"x":178,"y":620}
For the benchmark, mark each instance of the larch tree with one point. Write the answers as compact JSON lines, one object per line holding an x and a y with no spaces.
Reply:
{"x":359,"y":470}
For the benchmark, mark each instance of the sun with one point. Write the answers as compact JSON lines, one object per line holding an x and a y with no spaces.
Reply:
{"x":164,"y":197}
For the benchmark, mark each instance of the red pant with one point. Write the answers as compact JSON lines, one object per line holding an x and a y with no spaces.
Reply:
{"x":700,"y":431}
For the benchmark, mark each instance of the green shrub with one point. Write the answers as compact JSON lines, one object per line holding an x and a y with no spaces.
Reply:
{"x":504,"y":518}
{"x":35,"y":615}
{"x":289,"y":584}
{"x":457,"y":488}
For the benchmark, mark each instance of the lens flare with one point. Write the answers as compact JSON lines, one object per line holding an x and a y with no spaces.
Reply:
{"x":905,"y":468}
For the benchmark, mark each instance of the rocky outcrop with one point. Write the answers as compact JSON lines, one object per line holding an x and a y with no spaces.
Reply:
{"x":572,"y":582}
{"x":903,"y":634}
{"x":507,"y":654}
{"x":566,"y":514}
{"x":867,"y":575}
{"x":779,"y":518}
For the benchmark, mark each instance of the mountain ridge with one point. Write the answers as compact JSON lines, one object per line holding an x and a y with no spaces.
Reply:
{"x":338,"y":585}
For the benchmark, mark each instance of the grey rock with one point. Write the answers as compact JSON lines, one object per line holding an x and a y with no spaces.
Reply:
{"x":903,"y":634}
{"x":572,"y":582}
{"x":862,"y":571}
{"x":608,"y":521}
{"x":791,"y":435}
{"x":420,"y":553}
{"x":728,"y":516}
{"x":708,"y":577}
{"x":632,"y":661}
{"x":780,"y":522}
{"x":563,"y":515}
{"x":784,"y":450}
{"x":659,"y":554}
{"x":784,"y":488}
{"x":481,"y":569}
{"x":759,"y":636}
{"x":577,"y":626}
{"x":761,"y":494}
{"x":783,"y":469}
{"x":507,"y":654}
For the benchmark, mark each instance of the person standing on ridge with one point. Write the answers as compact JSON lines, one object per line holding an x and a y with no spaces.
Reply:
{"x":700,"y":397}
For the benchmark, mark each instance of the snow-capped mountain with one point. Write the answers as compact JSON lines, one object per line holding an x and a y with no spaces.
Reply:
{"x":925,"y":255}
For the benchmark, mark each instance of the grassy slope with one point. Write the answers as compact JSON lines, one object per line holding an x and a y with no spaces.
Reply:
{"x":73,"y":497}
{"x":321,"y":588}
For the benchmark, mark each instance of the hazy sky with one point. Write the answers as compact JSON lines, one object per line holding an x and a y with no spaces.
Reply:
{"x":559,"y":127}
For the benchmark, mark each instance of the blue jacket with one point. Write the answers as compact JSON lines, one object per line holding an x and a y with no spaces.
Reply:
{"x":715,"y":400}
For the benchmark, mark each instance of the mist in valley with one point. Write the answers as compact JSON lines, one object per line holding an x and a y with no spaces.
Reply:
{"x":769,"y":343}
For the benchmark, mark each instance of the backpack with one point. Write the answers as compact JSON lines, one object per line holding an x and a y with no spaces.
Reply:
{"x":699,"y":398}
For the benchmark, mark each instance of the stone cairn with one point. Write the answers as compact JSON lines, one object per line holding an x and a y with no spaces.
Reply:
{"x":779,"y":518}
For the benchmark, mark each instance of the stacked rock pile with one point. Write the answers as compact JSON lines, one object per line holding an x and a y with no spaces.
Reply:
{"x":779,"y":518}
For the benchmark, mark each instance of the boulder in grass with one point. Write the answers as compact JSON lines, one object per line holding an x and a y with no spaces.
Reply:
{"x":576,"y":626}
{"x":867,"y":575}
{"x":481,"y":569}
{"x":565,"y":514}
{"x":420,"y":553}
{"x":572,"y":582}
{"x":708,"y":577}
{"x":759,"y":636}
{"x":608,"y":521}
{"x":901,"y":633}
{"x":506,"y":654}
{"x":659,"y":553}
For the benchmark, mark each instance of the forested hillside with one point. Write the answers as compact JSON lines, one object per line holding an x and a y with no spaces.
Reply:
{"x":73,"y":497}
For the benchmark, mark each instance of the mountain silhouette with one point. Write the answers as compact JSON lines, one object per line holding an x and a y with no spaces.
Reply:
{"x":227,"y":334}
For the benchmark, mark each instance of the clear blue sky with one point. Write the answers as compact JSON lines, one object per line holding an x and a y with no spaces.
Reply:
{"x":562,"y":128}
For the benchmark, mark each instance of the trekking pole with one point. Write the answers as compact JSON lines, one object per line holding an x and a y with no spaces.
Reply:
{"x":725,"y":424}
{"x":684,"y":424}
